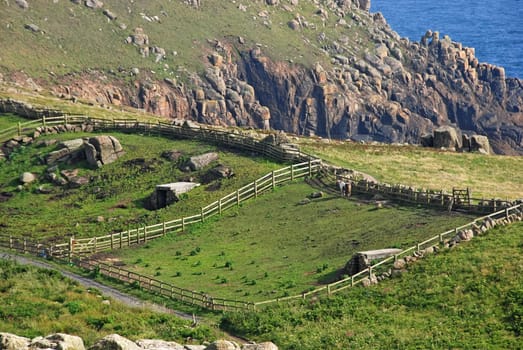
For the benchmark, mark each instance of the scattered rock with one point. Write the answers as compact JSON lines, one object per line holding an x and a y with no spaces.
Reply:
{"x":479,"y":143}
{"x":114,"y":341}
{"x":78,"y":181}
{"x":110,"y":14}
{"x":27,"y":177}
{"x":93,"y":4}
{"x":65,"y":342}
{"x":173,"y":155}
{"x":447,"y":137}
{"x":32,"y":27}
{"x":314,"y":195}
{"x":22,"y":4}
{"x":199,"y":162}
{"x":13,"y":342}
{"x":222,"y":345}
{"x":260,"y":346}
{"x":154,"y":344}
{"x":304,"y":201}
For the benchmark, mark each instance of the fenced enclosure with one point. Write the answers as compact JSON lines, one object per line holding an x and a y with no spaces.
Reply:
{"x":76,"y":249}
{"x":87,"y":246}
{"x":238,"y":140}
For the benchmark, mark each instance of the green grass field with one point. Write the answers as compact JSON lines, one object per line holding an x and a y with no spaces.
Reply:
{"x":470,"y":297}
{"x":491,"y":176}
{"x":272,"y":246}
{"x":37,"y":302}
{"x":117,"y":190}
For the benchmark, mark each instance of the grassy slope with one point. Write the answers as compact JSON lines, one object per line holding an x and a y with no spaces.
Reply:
{"x":36,"y":302}
{"x":273,"y":247}
{"x":468,"y":298}
{"x":76,"y":38}
{"x":487,"y":176}
{"x":117,"y":191}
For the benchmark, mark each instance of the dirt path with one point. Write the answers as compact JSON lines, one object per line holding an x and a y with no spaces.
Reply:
{"x":108,"y":291}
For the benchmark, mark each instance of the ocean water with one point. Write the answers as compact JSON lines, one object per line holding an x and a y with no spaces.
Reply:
{"x":493,"y":27}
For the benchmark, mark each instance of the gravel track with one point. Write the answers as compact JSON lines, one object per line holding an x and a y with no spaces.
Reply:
{"x":89,"y":283}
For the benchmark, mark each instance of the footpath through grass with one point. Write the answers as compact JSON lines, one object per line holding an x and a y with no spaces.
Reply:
{"x":488,"y":176}
{"x":113,"y":200}
{"x":38,"y":302}
{"x":470,"y":297}
{"x":272,"y":247}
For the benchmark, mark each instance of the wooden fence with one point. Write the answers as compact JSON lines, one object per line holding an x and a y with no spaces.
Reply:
{"x":87,"y":246}
{"x":386,"y":264}
{"x":165,"y":289}
{"x":239,"y":140}
{"x":433,"y":198}
{"x":212,"y":303}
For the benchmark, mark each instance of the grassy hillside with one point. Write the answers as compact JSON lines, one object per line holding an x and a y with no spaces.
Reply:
{"x":273,"y":246}
{"x":75,"y":38}
{"x":470,"y":297}
{"x":37,"y":302}
{"x":491,"y":176}
{"x":116,"y":192}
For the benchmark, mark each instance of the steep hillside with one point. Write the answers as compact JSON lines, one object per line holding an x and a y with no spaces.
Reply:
{"x":327,"y":68}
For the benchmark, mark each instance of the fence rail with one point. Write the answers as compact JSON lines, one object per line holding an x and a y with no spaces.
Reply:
{"x":165,"y":289}
{"x":387,"y":263}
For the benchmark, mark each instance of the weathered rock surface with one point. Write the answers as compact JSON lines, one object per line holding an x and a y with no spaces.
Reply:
{"x":199,"y":162}
{"x":395,"y":92}
{"x":27,"y":177}
{"x":114,"y":342}
{"x":13,"y":342}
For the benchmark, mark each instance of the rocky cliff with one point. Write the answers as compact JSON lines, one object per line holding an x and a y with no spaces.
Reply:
{"x":369,"y":84}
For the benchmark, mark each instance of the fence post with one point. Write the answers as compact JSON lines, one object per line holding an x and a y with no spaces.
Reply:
{"x":220,"y":206}
{"x":43,"y":121}
{"x":145,"y":234}
{"x":255,"y":189}
{"x":129,"y":236}
{"x":428,"y":197}
{"x":163,"y":229}
{"x":370,"y":272}
{"x":238,"y":197}
{"x":71,"y":247}
{"x":273,"y":180}
{"x":441,"y":237}
{"x":442,"y":199}
{"x":25,"y":245}
{"x":10,"y":242}
{"x":19,"y":129}
{"x":112,"y":241}
{"x":183,"y":223}
{"x":95,"y":241}
{"x":328,"y":289}
{"x":202,"y":216}
{"x":418,"y":246}
{"x":352,"y":281}
{"x":310,"y":168}
{"x":506,"y":213}
{"x":121,"y":234}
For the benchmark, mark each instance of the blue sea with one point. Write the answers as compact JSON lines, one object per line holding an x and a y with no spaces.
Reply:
{"x":493,"y":27}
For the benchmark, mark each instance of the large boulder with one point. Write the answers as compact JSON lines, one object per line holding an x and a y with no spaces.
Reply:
{"x":27,"y":177}
{"x":155,"y":344}
{"x":114,"y":342}
{"x":222,"y":345}
{"x":65,"y":342}
{"x":10,"y":341}
{"x":199,"y":162}
{"x":104,"y":150}
{"x":447,"y":137}
{"x":479,"y":143}
{"x":260,"y":346}
{"x":93,"y":4}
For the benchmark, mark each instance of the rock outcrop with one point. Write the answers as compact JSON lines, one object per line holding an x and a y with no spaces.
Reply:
{"x":394,"y":91}
{"x":60,"y":341}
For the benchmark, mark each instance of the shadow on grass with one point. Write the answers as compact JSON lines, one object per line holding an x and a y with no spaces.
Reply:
{"x":332,"y":276}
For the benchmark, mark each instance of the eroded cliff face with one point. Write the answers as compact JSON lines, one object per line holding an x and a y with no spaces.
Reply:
{"x":393,"y":92}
